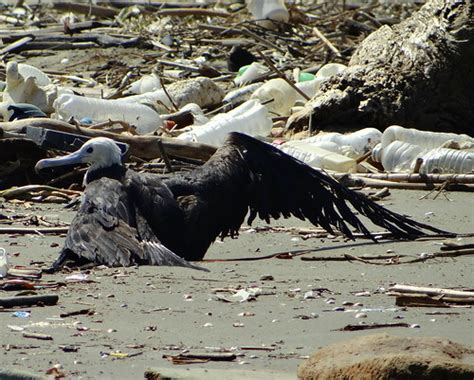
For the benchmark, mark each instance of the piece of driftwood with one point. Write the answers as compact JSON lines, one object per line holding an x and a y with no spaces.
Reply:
{"x":183,"y":12}
{"x":214,"y":356}
{"x":420,"y":300}
{"x":37,"y":230}
{"x":410,"y":177}
{"x":373,"y":326}
{"x":417,"y":73}
{"x":37,"y":336}
{"x":352,"y":180}
{"x":144,"y":147}
{"x":409,"y":289}
{"x":19,"y":301}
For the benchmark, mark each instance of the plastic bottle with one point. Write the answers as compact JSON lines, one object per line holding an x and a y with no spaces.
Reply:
{"x":397,"y":157}
{"x":240,"y":95}
{"x":143,"y":117}
{"x":330,"y":69}
{"x":247,"y":74}
{"x":30,"y":71}
{"x":268,"y":9}
{"x":3,"y":262}
{"x":318,"y":157}
{"x":444,"y":160}
{"x":422,"y":138}
{"x":284,"y":96}
{"x":401,"y":156}
{"x":201,"y":90}
{"x":146,"y":83}
{"x":251,"y":117}
{"x":360,"y":141}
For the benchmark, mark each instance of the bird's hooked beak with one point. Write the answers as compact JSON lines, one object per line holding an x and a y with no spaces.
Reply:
{"x":75,"y":158}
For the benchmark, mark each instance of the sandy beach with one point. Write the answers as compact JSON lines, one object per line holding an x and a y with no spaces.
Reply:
{"x":149,"y":312}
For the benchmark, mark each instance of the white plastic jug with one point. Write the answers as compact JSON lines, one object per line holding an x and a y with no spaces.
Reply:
{"x":318,"y":157}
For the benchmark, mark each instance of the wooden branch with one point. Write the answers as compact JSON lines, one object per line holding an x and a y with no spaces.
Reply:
{"x":144,"y":147}
{"x":326,"y":41}
{"x":420,"y":300}
{"x":282,"y":75}
{"x":431,"y":291}
{"x":409,"y":177}
{"x":37,"y":230}
{"x":28,"y":301}
{"x":183,"y":12}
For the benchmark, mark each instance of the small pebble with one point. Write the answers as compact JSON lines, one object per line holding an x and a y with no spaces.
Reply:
{"x":361,"y":315}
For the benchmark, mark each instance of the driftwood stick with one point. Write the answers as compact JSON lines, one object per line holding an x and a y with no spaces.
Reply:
{"x":421,"y":300}
{"x":183,"y":12}
{"x":144,"y":147}
{"x":37,"y":336}
{"x":16,"y":45}
{"x":19,"y":191}
{"x":350,"y":257}
{"x":355,"y":180}
{"x":29,"y":301}
{"x":323,"y":38}
{"x":405,"y":177}
{"x":38,"y":230}
{"x":431,"y":291}
{"x":282,"y":75}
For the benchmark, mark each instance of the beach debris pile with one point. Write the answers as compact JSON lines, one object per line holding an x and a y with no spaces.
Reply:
{"x":186,"y":94}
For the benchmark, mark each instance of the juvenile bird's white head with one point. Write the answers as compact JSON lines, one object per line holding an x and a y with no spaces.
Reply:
{"x":99,"y":152}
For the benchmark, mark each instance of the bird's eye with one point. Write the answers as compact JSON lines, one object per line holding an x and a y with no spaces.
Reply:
{"x":89,"y":150}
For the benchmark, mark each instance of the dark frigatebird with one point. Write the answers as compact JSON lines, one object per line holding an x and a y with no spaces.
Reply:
{"x":128,"y":218}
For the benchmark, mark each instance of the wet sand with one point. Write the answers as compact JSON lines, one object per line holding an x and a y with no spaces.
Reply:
{"x":156,"y":311}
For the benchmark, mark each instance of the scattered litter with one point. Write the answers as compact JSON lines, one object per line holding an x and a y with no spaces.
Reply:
{"x":21,"y":314}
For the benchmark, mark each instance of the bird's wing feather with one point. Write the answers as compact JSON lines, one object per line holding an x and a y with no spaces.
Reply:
{"x":247,"y":174}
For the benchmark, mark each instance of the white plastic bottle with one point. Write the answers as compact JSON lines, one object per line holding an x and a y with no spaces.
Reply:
{"x":401,"y":157}
{"x":99,"y":110}
{"x":360,"y":141}
{"x":251,"y":118}
{"x":201,"y":90}
{"x":3,"y":262}
{"x":397,"y":157}
{"x":310,"y":87}
{"x":425,"y":139}
{"x":284,"y":96}
{"x":252,"y":72}
{"x":268,"y":9}
{"x":146,"y":83}
{"x":240,"y":95}
{"x":444,"y":160}
{"x":318,"y":157}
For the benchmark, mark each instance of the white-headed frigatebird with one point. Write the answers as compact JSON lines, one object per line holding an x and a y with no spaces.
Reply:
{"x":127,"y":218}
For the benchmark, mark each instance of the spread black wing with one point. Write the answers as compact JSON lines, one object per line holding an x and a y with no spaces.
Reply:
{"x":109,"y":229}
{"x":249,"y":176}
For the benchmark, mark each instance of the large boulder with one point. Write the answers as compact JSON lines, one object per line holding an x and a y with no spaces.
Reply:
{"x":382,"y":356}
